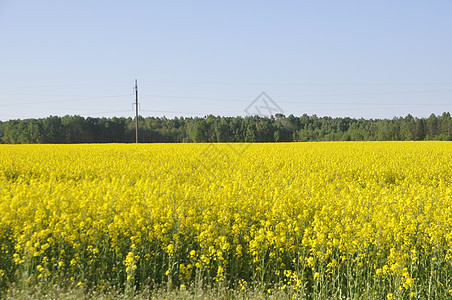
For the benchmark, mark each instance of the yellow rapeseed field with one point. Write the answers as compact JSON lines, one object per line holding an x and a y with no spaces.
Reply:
{"x":338,"y":219}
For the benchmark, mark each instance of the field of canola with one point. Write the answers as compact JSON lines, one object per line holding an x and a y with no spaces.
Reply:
{"x":336,"y":219}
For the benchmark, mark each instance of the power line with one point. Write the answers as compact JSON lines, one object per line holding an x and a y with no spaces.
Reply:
{"x":243,"y":99}
{"x":68,"y":100}
{"x":104,"y":112}
{"x":176,"y":112}
{"x":307,"y":105}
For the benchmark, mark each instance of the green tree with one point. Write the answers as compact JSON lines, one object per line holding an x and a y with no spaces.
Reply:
{"x":53,"y":130}
{"x":199,"y":134}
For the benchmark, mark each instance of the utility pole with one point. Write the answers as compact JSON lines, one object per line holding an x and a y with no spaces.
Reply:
{"x":136,"y":109}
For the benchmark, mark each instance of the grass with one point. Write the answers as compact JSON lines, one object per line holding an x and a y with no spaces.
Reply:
{"x":68,"y":291}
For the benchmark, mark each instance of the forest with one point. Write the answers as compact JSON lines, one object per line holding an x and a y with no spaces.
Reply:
{"x":278,"y":128}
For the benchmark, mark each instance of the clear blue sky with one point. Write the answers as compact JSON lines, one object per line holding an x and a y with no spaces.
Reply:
{"x":371,"y":59}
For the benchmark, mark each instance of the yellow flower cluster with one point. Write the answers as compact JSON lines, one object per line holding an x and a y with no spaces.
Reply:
{"x":332,"y":219}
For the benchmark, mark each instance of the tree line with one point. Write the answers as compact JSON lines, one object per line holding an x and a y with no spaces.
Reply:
{"x":278,"y":128}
